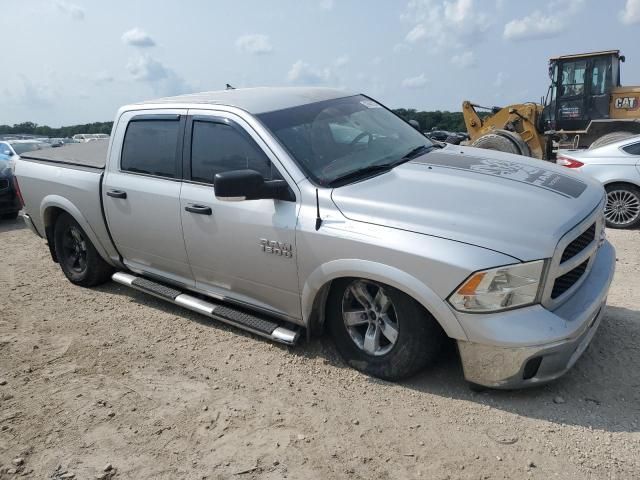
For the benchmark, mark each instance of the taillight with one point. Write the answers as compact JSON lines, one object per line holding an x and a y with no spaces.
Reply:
{"x":16,"y":187}
{"x":568,"y":162}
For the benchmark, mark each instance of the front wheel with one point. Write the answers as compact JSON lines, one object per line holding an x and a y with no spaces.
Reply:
{"x":622,"y":209}
{"x":381,"y":331}
{"x":78,"y":258}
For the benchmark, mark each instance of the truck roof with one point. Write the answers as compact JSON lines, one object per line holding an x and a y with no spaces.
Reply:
{"x":253,"y":100}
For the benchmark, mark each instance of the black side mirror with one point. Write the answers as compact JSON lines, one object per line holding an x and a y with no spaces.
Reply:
{"x":238,"y":185}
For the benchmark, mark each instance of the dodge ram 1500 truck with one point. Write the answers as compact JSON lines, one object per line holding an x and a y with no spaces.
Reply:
{"x":282,"y":210}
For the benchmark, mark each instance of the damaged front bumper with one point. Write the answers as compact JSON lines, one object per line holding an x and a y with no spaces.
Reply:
{"x":559,"y":337}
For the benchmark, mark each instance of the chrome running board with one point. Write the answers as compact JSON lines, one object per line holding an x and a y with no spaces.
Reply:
{"x":262,"y":326}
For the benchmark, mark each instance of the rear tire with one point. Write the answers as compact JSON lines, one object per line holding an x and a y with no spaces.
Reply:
{"x":406,"y":337}
{"x":610,"y":138}
{"x":622,"y":209}
{"x":78,"y":258}
{"x":492,"y":141}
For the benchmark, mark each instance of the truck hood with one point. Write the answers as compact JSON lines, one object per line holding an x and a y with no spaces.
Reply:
{"x":511,"y":204}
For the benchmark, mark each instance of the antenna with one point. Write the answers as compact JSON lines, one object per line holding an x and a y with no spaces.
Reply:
{"x":318,"y":219}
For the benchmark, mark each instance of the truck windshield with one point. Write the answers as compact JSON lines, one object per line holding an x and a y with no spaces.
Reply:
{"x":337,"y":138}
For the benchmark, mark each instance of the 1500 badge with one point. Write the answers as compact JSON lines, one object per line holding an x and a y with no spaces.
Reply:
{"x":276,"y":248}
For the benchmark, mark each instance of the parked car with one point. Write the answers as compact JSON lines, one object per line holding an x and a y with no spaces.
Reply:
{"x":9,"y":203}
{"x":617,"y":167}
{"x":446,"y":136}
{"x":244,"y":206}
{"x":14,"y":148}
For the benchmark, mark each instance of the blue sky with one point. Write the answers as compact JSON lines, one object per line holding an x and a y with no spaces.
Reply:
{"x":77,"y":61}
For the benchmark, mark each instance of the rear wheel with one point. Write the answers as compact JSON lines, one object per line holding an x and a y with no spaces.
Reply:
{"x":381,"y":331}
{"x":622,"y":209}
{"x":79,"y":260}
{"x":492,"y":141}
{"x":610,"y":138}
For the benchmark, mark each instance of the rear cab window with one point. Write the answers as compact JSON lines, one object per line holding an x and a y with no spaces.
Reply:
{"x":151,"y":147}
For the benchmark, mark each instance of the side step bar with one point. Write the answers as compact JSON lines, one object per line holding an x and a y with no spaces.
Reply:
{"x":258,"y":325}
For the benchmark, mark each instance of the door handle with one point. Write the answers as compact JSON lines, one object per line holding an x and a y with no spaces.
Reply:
{"x":199,"y":209}
{"x":117,"y":194}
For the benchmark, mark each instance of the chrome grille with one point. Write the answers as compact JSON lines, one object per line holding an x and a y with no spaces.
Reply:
{"x":579,"y":244}
{"x":573,"y":259}
{"x":568,"y":280}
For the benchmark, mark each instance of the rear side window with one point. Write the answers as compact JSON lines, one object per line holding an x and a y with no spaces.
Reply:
{"x":218,"y":147}
{"x":633,"y":149}
{"x":150,"y":147}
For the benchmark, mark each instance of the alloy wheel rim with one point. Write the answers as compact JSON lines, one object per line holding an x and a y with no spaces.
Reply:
{"x":74,"y":246}
{"x":622,"y":208}
{"x":370,"y":317}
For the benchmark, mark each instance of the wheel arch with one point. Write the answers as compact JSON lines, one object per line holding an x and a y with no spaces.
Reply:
{"x":51,"y":208}
{"x":316,"y":290}
{"x":621,"y":181}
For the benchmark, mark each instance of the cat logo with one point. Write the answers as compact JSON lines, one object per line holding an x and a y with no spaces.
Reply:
{"x":627,"y":103}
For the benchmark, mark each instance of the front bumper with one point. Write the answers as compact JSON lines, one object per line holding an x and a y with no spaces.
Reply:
{"x":533,"y":345}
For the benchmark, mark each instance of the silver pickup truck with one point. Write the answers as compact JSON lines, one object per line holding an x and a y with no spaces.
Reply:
{"x":283,"y":210}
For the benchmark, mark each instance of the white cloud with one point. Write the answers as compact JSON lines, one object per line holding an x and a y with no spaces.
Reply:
{"x":415,"y":82}
{"x":342,"y":60}
{"x":256,"y":44}
{"x":464,"y":60}
{"x":543,"y":25}
{"x":162,"y":79}
{"x":76,"y":12}
{"x":103,"y":78}
{"x":535,"y":25}
{"x":304,"y":74}
{"x":327,"y":4}
{"x":445,"y":23}
{"x":137,"y":37}
{"x":631,"y":13}
{"x":499,"y":81}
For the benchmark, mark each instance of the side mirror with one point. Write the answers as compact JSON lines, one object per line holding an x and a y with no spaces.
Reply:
{"x":414,"y":124}
{"x":238,"y":185}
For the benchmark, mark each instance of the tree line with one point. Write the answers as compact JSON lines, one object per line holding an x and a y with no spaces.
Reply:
{"x":439,"y":120}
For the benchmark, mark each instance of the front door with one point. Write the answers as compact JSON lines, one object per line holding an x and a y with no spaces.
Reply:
{"x":142,"y":196}
{"x":571,"y":105}
{"x":243,"y":251}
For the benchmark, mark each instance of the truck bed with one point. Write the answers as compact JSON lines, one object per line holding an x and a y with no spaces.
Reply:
{"x":91,"y":154}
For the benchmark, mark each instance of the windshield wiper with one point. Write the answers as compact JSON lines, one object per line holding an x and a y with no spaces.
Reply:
{"x":416,"y":152}
{"x":359,"y":174}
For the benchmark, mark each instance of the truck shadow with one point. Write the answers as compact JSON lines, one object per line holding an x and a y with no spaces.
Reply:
{"x":11,"y":225}
{"x":602,"y":391}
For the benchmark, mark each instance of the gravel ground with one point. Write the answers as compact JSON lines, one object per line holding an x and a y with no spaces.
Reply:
{"x":109,"y":383}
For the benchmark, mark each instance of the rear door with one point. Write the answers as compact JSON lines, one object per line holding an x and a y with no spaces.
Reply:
{"x":245,"y":250}
{"x":141,"y":194}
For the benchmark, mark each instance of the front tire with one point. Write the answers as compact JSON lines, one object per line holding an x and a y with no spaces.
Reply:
{"x":622,"y":209}
{"x":493,"y":141}
{"x":78,"y":258}
{"x":381,"y":331}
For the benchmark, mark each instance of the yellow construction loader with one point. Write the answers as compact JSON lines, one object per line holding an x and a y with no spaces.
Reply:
{"x":585,"y":107}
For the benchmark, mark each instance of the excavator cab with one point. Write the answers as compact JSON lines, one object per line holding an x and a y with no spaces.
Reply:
{"x":580,"y":90}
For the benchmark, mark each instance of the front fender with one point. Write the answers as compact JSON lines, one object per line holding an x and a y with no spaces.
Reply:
{"x":389,"y":275}
{"x":56,"y":201}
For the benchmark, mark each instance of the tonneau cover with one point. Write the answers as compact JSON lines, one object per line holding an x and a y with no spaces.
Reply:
{"x":90,"y":154}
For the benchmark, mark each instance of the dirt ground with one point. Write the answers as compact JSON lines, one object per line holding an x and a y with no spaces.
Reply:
{"x":110,"y":383}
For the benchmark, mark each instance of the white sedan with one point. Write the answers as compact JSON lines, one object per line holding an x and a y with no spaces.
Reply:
{"x":617,"y":166}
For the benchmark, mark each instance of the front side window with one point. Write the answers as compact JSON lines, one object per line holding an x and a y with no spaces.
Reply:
{"x":219,"y":147}
{"x":150,"y":147}
{"x":632,"y":149}
{"x":573,"y":78}
{"x":332,"y":139}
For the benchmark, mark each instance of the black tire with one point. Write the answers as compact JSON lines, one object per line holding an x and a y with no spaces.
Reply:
{"x":10,"y":216}
{"x":419,"y":336}
{"x":627,"y":216}
{"x":610,"y":138}
{"x":78,"y":258}
{"x":492,"y":141}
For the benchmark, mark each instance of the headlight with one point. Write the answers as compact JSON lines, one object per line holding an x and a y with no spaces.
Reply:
{"x":499,"y":288}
